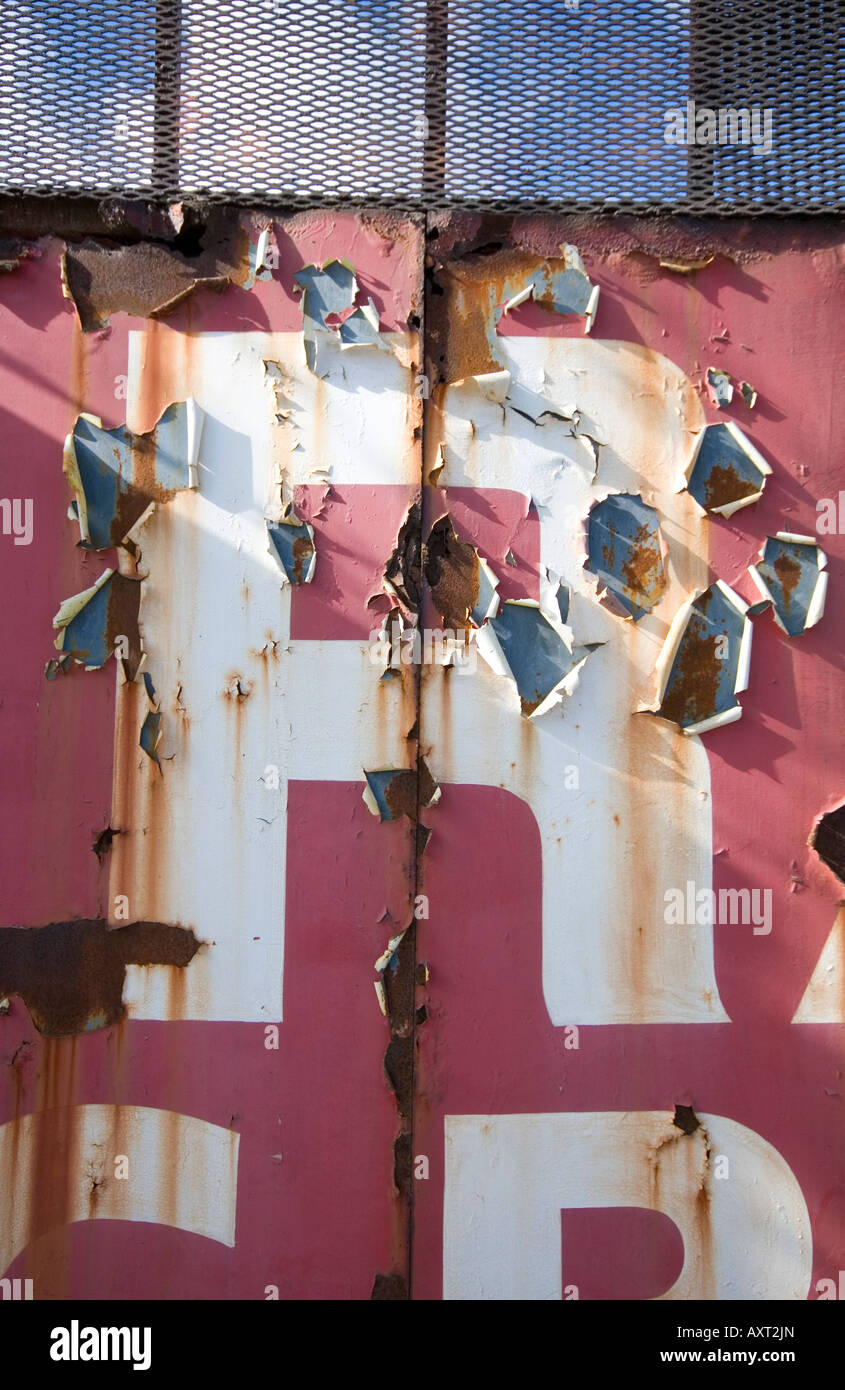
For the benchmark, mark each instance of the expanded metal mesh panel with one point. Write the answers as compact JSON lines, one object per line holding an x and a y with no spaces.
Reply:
{"x":729,"y":106}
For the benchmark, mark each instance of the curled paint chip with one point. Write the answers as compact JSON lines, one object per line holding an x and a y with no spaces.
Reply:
{"x":388,"y":955}
{"x":292,"y":543}
{"x":684,"y":266}
{"x":791,"y":573}
{"x":565,"y":289}
{"x":720,"y":388}
{"x":99,"y":622}
{"x":625,"y":550}
{"x":261,"y":259}
{"x":56,"y":666}
{"x":330,"y":311}
{"x":327,"y":289}
{"x":726,"y":472}
{"x":151,"y":735}
{"x":705,"y":661}
{"x":494,"y":386}
{"x":535,"y":651}
{"x":361,"y":328}
{"x":536,"y":407}
{"x":116,"y":474}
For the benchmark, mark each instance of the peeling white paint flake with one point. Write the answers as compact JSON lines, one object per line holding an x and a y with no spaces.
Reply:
{"x":493,"y":386}
{"x":720,"y":387}
{"x":519,"y":298}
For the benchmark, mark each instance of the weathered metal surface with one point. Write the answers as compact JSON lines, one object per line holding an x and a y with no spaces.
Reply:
{"x":222,"y":685}
{"x":532,"y":1121}
{"x":369,"y":946}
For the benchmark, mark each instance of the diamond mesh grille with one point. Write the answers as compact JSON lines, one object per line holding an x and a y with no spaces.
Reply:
{"x":728,"y":106}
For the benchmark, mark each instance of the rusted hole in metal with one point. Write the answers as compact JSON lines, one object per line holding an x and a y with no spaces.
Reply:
{"x":451,"y":572}
{"x":403,"y":571}
{"x":686,"y":1119}
{"x":724,"y":485}
{"x":389,"y":1287}
{"x":70,"y":975}
{"x":828,"y":840}
{"x":402,"y":1162}
{"x":103,"y":842}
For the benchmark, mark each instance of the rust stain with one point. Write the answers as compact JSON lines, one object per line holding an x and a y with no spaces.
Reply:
{"x":122,"y":616}
{"x":696,"y":1185}
{"x":147,"y":278}
{"x":403,"y":571}
{"x":390,"y":1287}
{"x":452,"y":574}
{"x":56,"y":1147}
{"x":697,"y":673}
{"x":154,"y":375}
{"x":70,"y":974}
{"x":303,"y":549}
{"x":724,"y":485}
{"x":827,"y":838}
{"x":643,"y":571}
{"x":102,"y":843}
{"x":464,"y":292}
{"x":399,"y":1070}
{"x":788,"y":572}
{"x":410,"y":790}
{"x":144,"y":487}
